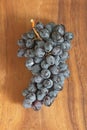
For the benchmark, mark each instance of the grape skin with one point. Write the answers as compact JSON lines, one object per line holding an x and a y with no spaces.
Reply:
{"x":50,"y":60}
{"x":48,"y":83}
{"x":45,"y":73}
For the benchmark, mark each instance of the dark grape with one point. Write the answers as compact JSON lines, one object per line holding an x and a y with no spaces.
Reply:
{"x":21,"y":43}
{"x":24,"y":36}
{"x":39,"y":25}
{"x":27,"y":104}
{"x":32,"y":88}
{"x":48,"y":83}
{"x":44,"y":33}
{"x":60,"y":29}
{"x":37,"y":105}
{"x":31,"y":34}
{"x":29,"y":43}
{"x":50,"y":60}
{"x":39,"y":52}
{"x":40,"y":95}
{"x":45,"y":73}
{"x":21,"y":52}
{"x":47,"y":101}
{"x":50,"y":26}
{"x":56,"y":36}
{"x":25,"y":92}
{"x":68,"y":36}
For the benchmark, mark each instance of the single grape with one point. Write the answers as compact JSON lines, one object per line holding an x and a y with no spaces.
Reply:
{"x":52,"y":99}
{"x":31,"y":97}
{"x":26,"y":54}
{"x":47,"y":101}
{"x":61,"y":83}
{"x":50,"y":41}
{"x":39,"y":44}
{"x":56,"y":78}
{"x":29,"y":62}
{"x":57,"y":60}
{"x":38,"y":79}
{"x":53,"y":93}
{"x":39,"y":25}
{"x":64,"y":56}
{"x":54,"y":70}
{"x":44,"y":65}
{"x":24,"y":36}
{"x":50,"y":26}
{"x":32,"y":80}
{"x":37,"y":105}
{"x":48,"y":83}
{"x":32,"y":88}
{"x":44,"y":33}
{"x":56,"y":51}
{"x":66,"y":73}
{"x":50,"y":60}
{"x":25,"y":92}
{"x":39,"y":86}
{"x":45,"y":73}
{"x":61,"y":76}
{"x":29,"y":43}
{"x":29,"y":53}
{"x":40,"y":95}
{"x":27,"y":100}
{"x":37,"y":59}
{"x":36,"y":69}
{"x":57,"y":86}
{"x":56,"y":36}
{"x":60,"y":29}
{"x":21,"y":52}
{"x":44,"y":90}
{"x":31,"y":34}
{"x":66,"y":45}
{"x":63,"y":67}
{"x":48,"y":47}
{"x":68,"y":36}
{"x":21,"y":43}
{"x":27,"y":105}
{"x":39,"y":52}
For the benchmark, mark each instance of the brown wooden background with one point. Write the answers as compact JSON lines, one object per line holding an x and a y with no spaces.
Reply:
{"x":69,"y":111}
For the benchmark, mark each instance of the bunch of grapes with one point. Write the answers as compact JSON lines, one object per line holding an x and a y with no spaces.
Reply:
{"x":46,"y":49}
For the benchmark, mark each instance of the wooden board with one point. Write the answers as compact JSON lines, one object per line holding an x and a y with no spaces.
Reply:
{"x":69,"y":111}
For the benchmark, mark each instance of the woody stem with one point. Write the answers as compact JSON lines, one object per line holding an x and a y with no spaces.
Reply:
{"x":33,"y":27}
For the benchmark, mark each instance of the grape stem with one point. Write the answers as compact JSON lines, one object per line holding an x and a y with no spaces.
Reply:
{"x":33,"y":26}
{"x":49,"y":53}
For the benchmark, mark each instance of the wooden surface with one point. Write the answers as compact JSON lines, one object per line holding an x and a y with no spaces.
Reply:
{"x":69,"y":111}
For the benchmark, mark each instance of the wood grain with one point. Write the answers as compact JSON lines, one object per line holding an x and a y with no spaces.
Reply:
{"x":69,"y":111}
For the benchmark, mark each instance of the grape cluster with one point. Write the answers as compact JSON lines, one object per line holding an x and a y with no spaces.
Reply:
{"x":46,"y":58}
